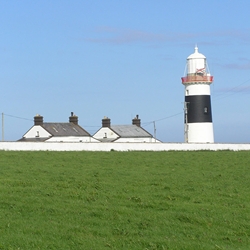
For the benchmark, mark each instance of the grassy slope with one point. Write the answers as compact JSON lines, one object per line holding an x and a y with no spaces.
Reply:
{"x":124,"y":200}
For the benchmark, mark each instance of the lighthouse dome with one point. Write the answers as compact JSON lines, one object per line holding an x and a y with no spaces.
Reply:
{"x":196,"y":54}
{"x":196,"y":62}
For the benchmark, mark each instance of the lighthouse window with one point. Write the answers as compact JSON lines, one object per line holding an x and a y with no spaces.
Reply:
{"x":205,"y":110}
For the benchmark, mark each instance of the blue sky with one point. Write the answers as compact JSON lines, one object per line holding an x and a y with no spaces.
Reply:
{"x":122,"y":58}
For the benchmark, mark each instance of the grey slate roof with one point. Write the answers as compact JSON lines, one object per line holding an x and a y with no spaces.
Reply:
{"x":39,"y":139}
{"x":130,"y":131}
{"x":64,"y":129}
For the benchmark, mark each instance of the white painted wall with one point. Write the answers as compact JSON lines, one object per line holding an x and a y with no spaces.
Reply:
{"x":63,"y":146}
{"x":136,"y":140}
{"x":72,"y":139}
{"x":37,"y":131}
{"x":197,"y":89}
{"x":200,"y":132}
{"x":105,"y":132}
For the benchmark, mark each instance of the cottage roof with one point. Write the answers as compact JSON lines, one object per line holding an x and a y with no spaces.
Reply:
{"x":64,"y":129}
{"x":130,"y":131}
{"x":36,"y":139}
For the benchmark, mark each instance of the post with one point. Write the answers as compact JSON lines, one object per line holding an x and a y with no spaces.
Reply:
{"x":186,"y":121}
{"x":154,"y":131}
{"x":2,"y":127}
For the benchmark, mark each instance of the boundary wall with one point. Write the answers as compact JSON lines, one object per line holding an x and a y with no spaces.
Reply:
{"x":71,"y":146}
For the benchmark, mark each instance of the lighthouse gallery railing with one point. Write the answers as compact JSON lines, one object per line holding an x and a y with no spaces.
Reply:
{"x":197,"y":78}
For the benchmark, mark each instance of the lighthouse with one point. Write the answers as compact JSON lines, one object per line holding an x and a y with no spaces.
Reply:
{"x":198,"y":125}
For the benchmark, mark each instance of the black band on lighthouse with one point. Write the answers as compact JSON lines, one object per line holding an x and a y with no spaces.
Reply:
{"x":198,"y":108}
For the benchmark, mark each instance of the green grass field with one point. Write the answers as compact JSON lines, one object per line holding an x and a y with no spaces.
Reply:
{"x":124,"y":200}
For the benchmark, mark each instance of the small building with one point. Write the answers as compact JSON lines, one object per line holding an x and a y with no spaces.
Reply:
{"x":123,"y":133}
{"x":57,"y":131}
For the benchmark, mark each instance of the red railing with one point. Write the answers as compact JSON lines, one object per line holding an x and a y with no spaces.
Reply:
{"x":197,"y":78}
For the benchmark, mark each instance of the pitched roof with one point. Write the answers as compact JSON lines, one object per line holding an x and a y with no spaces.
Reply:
{"x":130,"y":131}
{"x":64,"y":129}
{"x":36,"y":139}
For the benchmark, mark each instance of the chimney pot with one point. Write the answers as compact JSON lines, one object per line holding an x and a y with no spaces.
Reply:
{"x":38,"y":120}
{"x":136,"y":121}
{"x":73,"y":118}
{"x":106,"y":122}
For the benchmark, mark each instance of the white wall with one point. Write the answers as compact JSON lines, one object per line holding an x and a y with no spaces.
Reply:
{"x":37,"y":131}
{"x":200,"y":132}
{"x":105,"y":132}
{"x":137,"y":139}
{"x":72,"y":139}
{"x":65,"y":146}
{"x":198,"y":89}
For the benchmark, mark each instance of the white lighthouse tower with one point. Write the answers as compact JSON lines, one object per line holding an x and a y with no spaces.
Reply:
{"x":198,"y":111}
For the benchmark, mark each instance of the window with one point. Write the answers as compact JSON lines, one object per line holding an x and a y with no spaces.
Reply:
{"x":205,"y":110}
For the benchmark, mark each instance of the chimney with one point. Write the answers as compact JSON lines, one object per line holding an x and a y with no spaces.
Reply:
{"x":38,"y":120}
{"x":73,"y":118}
{"x":136,"y":121}
{"x":106,"y":122}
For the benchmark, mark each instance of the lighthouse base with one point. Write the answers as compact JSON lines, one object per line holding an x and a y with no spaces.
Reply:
{"x":199,"y":132}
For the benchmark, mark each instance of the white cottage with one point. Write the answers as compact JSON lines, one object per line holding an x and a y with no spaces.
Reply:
{"x":123,"y":133}
{"x":57,"y":131}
